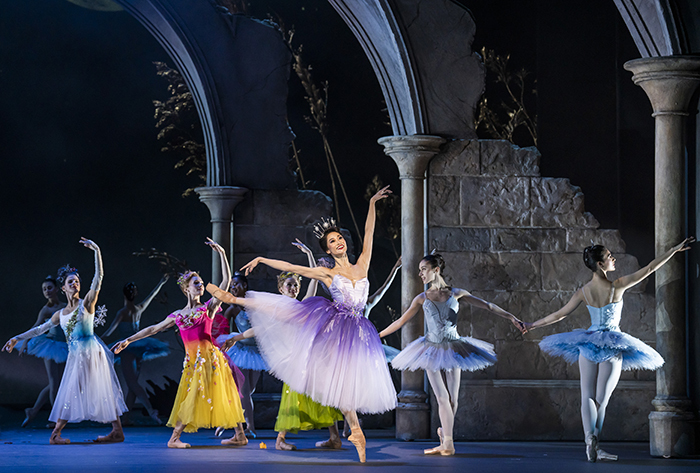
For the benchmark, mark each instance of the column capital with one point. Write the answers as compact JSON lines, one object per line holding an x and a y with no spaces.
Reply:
{"x":411,"y":153}
{"x":221,"y":200}
{"x":669,"y":81}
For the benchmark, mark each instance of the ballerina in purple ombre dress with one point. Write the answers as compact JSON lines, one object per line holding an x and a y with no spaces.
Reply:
{"x":325,"y":349}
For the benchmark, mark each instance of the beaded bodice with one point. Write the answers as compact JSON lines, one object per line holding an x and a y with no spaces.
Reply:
{"x":606,"y":317}
{"x":441,"y":320}
{"x":348,"y":297}
{"x":78,"y":323}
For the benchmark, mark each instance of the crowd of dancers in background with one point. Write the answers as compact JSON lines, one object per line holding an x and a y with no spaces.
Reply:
{"x":325,"y":350}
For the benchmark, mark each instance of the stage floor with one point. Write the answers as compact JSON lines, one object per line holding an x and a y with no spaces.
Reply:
{"x":28,"y":450}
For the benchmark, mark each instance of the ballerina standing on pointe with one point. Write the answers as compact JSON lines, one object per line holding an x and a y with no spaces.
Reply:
{"x":51,"y":347}
{"x":89,"y":387}
{"x":603,"y":350}
{"x":325,"y":349}
{"x":127,"y":323}
{"x":442,"y":353}
{"x":206,"y":395}
{"x":298,"y":411}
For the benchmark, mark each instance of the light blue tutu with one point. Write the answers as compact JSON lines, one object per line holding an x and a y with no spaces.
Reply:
{"x":244,"y":355}
{"x":48,"y":348}
{"x":464,"y":353}
{"x":603,"y":341}
{"x":390,"y":352}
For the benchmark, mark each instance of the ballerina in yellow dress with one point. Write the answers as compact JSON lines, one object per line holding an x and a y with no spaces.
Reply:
{"x":207,"y":395}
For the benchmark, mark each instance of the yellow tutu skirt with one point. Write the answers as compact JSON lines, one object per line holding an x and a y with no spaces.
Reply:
{"x":299,"y":412}
{"x":207,"y":396}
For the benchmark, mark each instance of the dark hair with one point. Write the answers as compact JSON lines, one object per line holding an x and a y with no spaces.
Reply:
{"x":241,"y":276}
{"x":323,"y":241}
{"x":50,"y":279}
{"x":436,"y":261}
{"x":63,"y":273}
{"x":130,"y":291}
{"x":592,"y":255}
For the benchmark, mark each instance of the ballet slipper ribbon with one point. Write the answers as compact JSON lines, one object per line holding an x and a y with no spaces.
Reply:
{"x":223,"y":296}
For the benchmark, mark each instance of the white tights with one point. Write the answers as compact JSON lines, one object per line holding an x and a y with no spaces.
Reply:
{"x":598,"y":381}
{"x":445,"y":385}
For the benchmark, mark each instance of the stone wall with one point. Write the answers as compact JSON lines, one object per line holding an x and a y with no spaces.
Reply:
{"x":515,"y":238}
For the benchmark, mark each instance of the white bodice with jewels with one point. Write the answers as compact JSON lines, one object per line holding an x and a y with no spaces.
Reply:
{"x":606,"y":317}
{"x":441,"y":320}
{"x":77,"y":324}
{"x":352,"y":297}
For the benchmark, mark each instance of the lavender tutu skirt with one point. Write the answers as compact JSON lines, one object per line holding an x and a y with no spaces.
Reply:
{"x":602,"y":345}
{"x":464,"y":353}
{"x":246,"y":357}
{"x":322,"y":349}
{"x":48,"y":348}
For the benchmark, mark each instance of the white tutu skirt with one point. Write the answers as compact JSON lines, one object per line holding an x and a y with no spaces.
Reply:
{"x":48,"y":349}
{"x":602,"y":345}
{"x":89,"y":388}
{"x":243,"y":355}
{"x":464,"y":353}
{"x":324,"y":350}
{"x":147,"y":349}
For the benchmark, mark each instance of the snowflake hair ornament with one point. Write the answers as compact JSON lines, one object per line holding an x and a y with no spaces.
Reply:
{"x":100,"y":316}
{"x":321,"y":228}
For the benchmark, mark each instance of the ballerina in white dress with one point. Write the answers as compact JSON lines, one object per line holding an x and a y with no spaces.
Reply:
{"x":602,"y":351}
{"x":89,"y":387}
{"x":325,"y":349}
{"x":442,"y":353}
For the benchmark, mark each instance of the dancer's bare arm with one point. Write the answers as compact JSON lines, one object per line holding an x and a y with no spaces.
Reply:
{"x":320,"y":273}
{"x":33,"y":332}
{"x":313,"y":283}
{"x":144,"y":333}
{"x":149,"y":298}
{"x":415,"y":306}
{"x":366,"y":255}
{"x":490,"y":306}
{"x":554,"y":317}
{"x":625,"y":282}
{"x":115,"y":323}
{"x":215,"y":303}
{"x":90,"y":300}
{"x":374,"y":299}
{"x":250,"y":333}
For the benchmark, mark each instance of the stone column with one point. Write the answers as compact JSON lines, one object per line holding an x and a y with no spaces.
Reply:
{"x":670,"y":82}
{"x":412,"y":154}
{"x":221,"y":200}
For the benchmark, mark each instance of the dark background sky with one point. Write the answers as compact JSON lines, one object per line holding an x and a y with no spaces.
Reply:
{"x":79,"y":153}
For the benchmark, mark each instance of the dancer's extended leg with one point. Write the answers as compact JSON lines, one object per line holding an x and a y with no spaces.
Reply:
{"x":589,"y":410}
{"x":356,"y":437}
{"x":247,"y":390}
{"x":445,"y":407}
{"x":608,"y":377}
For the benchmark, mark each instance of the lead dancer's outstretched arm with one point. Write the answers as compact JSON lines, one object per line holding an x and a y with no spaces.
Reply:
{"x":366,"y":255}
{"x":313,"y":283}
{"x":625,"y":282}
{"x":91,"y":297}
{"x":215,"y":303}
{"x":320,"y":273}
{"x":144,"y":333}
{"x":33,"y":332}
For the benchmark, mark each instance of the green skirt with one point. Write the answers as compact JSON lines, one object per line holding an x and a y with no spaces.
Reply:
{"x":300,"y":412}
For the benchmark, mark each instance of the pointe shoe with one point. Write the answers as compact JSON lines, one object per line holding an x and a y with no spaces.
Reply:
{"x":281,"y":444}
{"x":235,"y":441}
{"x":330,"y":443}
{"x":112,"y":437}
{"x":28,"y":417}
{"x":223,"y":296}
{"x":602,"y":455}
{"x":219,"y":431}
{"x":57,"y":440}
{"x":359,"y":441}
{"x":177,"y":443}
{"x":591,"y":448}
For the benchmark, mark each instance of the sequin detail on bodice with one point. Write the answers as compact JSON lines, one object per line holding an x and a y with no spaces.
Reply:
{"x":348,"y":298}
{"x":77,"y":324}
{"x":441,"y":320}
{"x":195,"y":325}
{"x":606,"y":317}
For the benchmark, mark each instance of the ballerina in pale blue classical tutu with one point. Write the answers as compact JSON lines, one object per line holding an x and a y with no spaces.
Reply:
{"x":442,"y":353}
{"x":127,"y":322}
{"x":51,"y":347}
{"x":325,"y":349}
{"x":602,"y":351}
{"x":89,"y":387}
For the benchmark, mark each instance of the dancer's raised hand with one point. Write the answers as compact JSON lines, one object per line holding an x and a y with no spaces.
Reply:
{"x":10,"y":345}
{"x":248,"y":268}
{"x":119,"y":346}
{"x":684,"y":245}
{"x":304,"y":249}
{"x":89,"y":244}
{"x":382,"y":193}
{"x":215,"y":246}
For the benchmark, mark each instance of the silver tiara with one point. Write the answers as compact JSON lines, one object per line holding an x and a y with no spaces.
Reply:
{"x":321,"y":228}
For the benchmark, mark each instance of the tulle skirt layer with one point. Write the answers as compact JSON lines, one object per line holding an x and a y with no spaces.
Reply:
{"x":300,"y":412}
{"x":246,"y":357}
{"x":89,"y":388}
{"x":207,"y":395}
{"x":147,"y":349}
{"x":463,"y":353}
{"x":602,"y":345}
{"x":390,"y":353}
{"x":48,"y":349}
{"x":328,"y":352}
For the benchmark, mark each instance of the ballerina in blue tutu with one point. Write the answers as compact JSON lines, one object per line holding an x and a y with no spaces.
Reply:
{"x":602,"y":350}
{"x":127,"y":322}
{"x":442,"y":353}
{"x":51,"y":347}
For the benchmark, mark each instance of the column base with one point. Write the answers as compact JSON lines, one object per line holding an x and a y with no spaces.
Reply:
{"x":671,"y":434}
{"x":412,"y":416}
